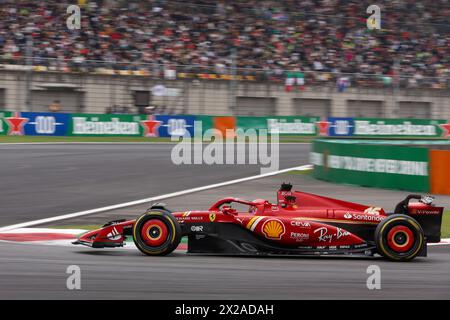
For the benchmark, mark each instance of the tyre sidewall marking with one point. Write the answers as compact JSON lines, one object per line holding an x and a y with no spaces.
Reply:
{"x":139,"y":242}
{"x":402,"y":219}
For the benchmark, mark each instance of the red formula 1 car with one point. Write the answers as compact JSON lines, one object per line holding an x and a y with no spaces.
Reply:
{"x":299,"y":224}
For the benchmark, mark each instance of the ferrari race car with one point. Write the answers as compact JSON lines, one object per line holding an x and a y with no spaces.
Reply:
{"x":299,"y":224}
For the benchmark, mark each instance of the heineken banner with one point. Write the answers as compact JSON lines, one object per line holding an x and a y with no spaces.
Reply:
{"x":3,"y":122}
{"x":60,"y":124}
{"x":387,"y":128}
{"x":288,"y":125}
{"x":374,"y":165}
{"x":108,"y":125}
{"x":45,"y":124}
{"x":177,"y":126}
{"x":16,"y":123}
{"x":206,"y":121}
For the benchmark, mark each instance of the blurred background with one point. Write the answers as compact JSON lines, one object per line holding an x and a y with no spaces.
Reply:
{"x":260,"y":58}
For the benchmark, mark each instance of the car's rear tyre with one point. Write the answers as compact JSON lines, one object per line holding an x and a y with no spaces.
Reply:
{"x":156,"y":232}
{"x":399,"y":238}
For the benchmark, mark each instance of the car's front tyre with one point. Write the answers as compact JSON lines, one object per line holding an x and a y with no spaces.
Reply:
{"x":156,"y":232}
{"x":399,"y":238}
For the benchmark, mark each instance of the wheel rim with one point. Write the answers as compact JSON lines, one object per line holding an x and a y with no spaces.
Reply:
{"x":154,"y":232}
{"x":400,"y":239}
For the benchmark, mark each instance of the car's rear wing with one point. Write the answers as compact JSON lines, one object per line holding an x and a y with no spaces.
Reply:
{"x":427,"y":215}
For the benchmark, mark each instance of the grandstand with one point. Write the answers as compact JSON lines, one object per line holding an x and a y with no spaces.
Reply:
{"x":318,"y":44}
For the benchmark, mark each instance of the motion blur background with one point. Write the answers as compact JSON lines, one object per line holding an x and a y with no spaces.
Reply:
{"x":315,"y":58}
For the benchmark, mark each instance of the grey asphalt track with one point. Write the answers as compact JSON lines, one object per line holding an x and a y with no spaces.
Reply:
{"x":39,"y":272}
{"x":41,"y":181}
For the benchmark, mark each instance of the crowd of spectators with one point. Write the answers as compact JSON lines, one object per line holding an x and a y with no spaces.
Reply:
{"x":321,"y":39}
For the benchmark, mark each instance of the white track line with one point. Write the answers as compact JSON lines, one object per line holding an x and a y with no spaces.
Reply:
{"x":46,"y":230}
{"x":157,"y":198}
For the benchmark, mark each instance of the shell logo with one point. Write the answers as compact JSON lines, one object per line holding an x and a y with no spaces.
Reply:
{"x":273,"y":229}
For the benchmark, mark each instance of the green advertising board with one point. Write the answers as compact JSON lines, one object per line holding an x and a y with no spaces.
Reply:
{"x":206,"y":121}
{"x":106,"y":125}
{"x":398,"y":128}
{"x":3,"y":124}
{"x":283,"y":125}
{"x":374,"y":165}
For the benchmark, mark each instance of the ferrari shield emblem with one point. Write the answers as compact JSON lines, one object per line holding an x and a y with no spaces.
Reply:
{"x":212,"y":217}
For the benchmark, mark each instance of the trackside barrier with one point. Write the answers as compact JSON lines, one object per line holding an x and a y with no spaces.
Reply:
{"x":78,"y":124}
{"x":402,"y":165}
{"x":3,"y":127}
{"x":293,"y":125}
{"x":387,"y":128}
{"x":440,"y":171}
